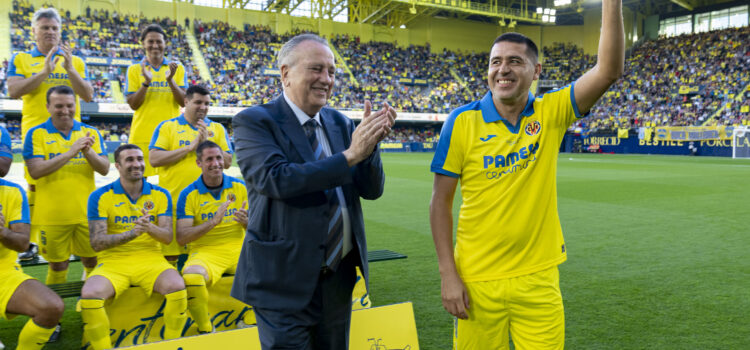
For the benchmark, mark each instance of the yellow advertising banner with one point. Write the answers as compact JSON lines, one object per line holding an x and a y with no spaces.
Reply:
{"x":692,"y":133}
{"x":389,"y":327}
{"x":136,"y":319}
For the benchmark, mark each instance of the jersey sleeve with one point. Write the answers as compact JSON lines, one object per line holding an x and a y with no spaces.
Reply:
{"x":15,"y":67}
{"x":19,"y":212}
{"x":449,"y":155}
{"x":561,"y":105}
{"x":97,"y":209}
{"x":160,"y":139}
{"x":81,"y":68}
{"x":33,"y":145}
{"x":133,"y":79}
{"x":98,"y":145}
{"x":6,"y":149}
{"x":167,"y":203}
{"x":180,"y":77}
{"x":222,"y":139}
{"x":185,"y":209}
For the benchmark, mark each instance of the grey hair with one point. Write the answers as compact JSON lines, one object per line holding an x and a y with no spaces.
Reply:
{"x":285,"y":54}
{"x":49,"y":12}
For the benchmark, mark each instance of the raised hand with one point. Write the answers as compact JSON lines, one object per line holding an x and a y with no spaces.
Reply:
{"x":146,"y":72}
{"x":51,"y":61}
{"x":172,"y":70}
{"x":240,"y":215}
{"x":68,"y":57}
{"x":219,"y":214}
{"x":367,"y":134}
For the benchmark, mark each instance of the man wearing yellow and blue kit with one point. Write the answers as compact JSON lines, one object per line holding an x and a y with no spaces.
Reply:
{"x":127,"y":220}
{"x":502,"y":277}
{"x":62,"y":154}
{"x":155,"y":89}
{"x":21,"y":294}
{"x":173,"y":145}
{"x":31,"y":73}
{"x":211,"y":220}
{"x":6,"y":151}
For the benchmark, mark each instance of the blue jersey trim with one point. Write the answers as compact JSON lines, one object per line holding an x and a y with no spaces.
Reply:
{"x":93,"y":203}
{"x":12,"y":67}
{"x":183,"y":200}
{"x":25,"y":216}
{"x":438,"y":160}
{"x":575,"y":105}
{"x":157,"y":131}
{"x":168,"y":212}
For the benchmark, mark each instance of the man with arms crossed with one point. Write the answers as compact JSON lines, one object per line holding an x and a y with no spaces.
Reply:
{"x":173,"y":146}
{"x":214,"y":236}
{"x":127,"y":220}
{"x":503,"y":276}
{"x":305,"y":166}
{"x":32,"y":73}
{"x":155,"y":89}
{"x":62,"y":154}
{"x":21,"y":294}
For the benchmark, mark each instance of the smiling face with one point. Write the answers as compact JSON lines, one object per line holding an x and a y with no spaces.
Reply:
{"x":309,"y":77}
{"x":46,"y":32}
{"x":154,"y":46}
{"x":62,"y":109}
{"x":211,"y":162}
{"x":511,"y":72}
{"x":130,"y":164}
{"x":197,"y":106}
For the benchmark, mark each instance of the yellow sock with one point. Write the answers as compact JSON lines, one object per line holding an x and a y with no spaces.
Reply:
{"x":56,"y":277}
{"x":95,"y":323}
{"x":175,"y":314}
{"x":33,"y":336}
{"x":198,"y":300}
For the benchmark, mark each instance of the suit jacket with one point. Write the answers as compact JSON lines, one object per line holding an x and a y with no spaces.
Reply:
{"x":288,"y":209}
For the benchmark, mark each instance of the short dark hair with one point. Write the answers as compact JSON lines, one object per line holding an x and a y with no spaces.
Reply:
{"x":196,"y":89}
{"x":519,"y":38}
{"x":60,"y":90}
{"x":203,"y":145}
{"x":123,"y":147}
{"x":153,"y":28}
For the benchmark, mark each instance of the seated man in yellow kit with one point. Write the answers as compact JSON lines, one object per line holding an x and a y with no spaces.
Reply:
{"x":214,"y":236}
{"x":123,"y":230}
{"x":21,"y":294}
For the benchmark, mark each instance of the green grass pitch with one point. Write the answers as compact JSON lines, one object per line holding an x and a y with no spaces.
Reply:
{"x":657,"y":253}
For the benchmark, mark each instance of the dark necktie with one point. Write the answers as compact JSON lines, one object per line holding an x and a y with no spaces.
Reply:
{"x":335,"y":238}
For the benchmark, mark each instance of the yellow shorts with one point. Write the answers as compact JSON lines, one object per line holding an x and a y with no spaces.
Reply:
{"x":10,"y":278}
{"x":140,"y":270}
{"x":528,"y":307}
{"x":149,"y":171}
{"x":216,"y":260}
{"x":57,"y":242}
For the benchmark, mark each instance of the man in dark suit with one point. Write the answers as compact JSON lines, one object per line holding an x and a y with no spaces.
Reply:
{"x":306,"y":167}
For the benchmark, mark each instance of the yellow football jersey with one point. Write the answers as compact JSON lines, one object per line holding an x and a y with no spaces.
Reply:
{"x":113,"y":204}
{"x":28,"y":63}
{"x":61,"y":196}
{"x":508,"y":224}
{"x":15,"y":209}
{"x":175,"y":133}
{"x":197,"y":202}
{"x":159,"y":104}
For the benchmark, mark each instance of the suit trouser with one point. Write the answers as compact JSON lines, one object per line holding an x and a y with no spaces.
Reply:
{"x":323,"y":324}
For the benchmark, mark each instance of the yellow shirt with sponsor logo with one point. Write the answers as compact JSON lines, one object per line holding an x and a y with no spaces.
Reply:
{"x":508,"y":224}
{"x":159,"y":104}
{"x":113,"y":204}
{"x":28,"y":63}
{"x":176,"y":133}
{"x":197,"y":202}
{"x":61,"y":196}
{"x":15,"y":209}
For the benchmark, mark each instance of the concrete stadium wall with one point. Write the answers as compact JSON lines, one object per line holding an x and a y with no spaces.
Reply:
{"x":453,"y":34}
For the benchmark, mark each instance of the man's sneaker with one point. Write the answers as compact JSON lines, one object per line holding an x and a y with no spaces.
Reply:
{"x":56,"y":334}
{"x":30,"y":254}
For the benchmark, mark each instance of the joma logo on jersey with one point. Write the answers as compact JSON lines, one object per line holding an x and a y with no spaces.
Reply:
{"x":533,"y":128}
{"x":501,"y":161}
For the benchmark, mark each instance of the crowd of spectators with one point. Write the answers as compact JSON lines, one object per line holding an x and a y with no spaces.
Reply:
{"x":415,"y":79}
{"x":101,"y":33}
{"x":3,"y":76}
{"x":412,"y":134}
{"x":716,"y":65}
